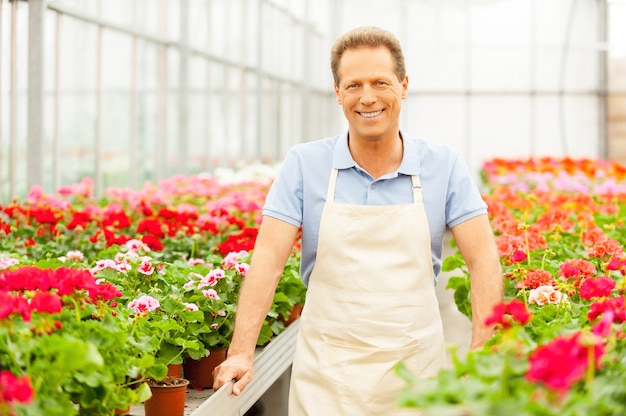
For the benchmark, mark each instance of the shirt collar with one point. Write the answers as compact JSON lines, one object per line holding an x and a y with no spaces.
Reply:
{"x":342,"y":159}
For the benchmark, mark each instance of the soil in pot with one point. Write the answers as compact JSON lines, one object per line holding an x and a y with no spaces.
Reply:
{"x":168,"y":397}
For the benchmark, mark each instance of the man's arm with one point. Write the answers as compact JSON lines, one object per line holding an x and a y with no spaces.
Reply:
{"x":273,"y":246}
{"x":476,"y":243}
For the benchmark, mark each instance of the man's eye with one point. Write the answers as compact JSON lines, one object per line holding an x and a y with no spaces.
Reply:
{"x":351,"y":86}
{"x":381,"y":83}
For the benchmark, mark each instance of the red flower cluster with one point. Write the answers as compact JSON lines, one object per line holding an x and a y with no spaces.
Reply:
{"x":535,"y":278}
{"x":617,"y":306}
{"x":576,"y":270}
{"x":597,"y":287}
{"x":606,"y":249}
{"x":508,"y":313}
{"x":14,"y":390}
{"x":237,"y":242}
{"x":30,"y":289}
{"x":563,"y":361}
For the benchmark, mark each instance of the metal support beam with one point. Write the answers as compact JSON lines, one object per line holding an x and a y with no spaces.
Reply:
{"x":35,"y":139}
{"x":603,"y":76}
{"x":97,"y":145}
{"x":135,"y":167}
{"x":259,"y":78}
{"x":13,"y":103}
{"x":162,"y":99}
{"x":56,"y":129}
{"x":183,"y":91}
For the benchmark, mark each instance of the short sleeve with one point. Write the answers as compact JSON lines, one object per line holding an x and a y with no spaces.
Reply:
{"x":284,"y":200}
{"x":463,"y":200}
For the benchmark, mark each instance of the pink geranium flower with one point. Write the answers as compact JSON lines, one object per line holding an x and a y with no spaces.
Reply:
{"x":144,"y":304}
{"x":242,"y":268}
{"x":211,"y":293}
{"x":232,"y":258}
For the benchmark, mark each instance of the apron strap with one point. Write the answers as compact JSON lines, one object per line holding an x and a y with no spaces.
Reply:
{"x":330,"y":196}
{"x":417,"y":189}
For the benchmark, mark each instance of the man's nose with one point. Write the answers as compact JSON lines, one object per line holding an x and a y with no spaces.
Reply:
{"x":368,"y":96}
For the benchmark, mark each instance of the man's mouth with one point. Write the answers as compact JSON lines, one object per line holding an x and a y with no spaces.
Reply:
{"x":372,"y":114}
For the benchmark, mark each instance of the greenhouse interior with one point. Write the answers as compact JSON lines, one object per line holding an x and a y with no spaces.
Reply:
{"x":144,"y":142}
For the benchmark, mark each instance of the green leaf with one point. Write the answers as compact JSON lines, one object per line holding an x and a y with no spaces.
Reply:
{"x":454,"y":262}
{"x":265,"y":334}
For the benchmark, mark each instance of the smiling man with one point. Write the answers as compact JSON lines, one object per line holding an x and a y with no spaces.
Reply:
{"x":374,"y":204}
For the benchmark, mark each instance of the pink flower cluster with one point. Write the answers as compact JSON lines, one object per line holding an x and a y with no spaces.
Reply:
{"x":231,"y":261}
{"x":144,"y":304}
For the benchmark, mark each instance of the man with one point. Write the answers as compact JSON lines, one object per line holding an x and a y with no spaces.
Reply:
{"x":373,"y":204}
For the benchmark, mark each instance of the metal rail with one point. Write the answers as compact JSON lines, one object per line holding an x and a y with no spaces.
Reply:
{"x":270,"y":362}
{"x":269,"y":365}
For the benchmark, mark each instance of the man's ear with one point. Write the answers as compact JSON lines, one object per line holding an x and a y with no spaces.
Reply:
{"x":337,"y":94}
{"x":405,"y":87}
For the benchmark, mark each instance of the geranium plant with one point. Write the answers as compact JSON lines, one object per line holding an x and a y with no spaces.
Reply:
{"x":185,"y":243}
{"x":62,"y":330}
{"x":560,"y":347}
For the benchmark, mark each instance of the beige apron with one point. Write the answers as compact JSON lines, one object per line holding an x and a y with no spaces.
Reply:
{"x":370,"y":303}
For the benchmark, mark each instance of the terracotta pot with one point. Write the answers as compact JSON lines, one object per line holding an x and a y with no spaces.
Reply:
{"x":200,"y":372}
{"x":167,"y":400}
{"x":123,"y":411}
{"x":295,"y":314}
{"x":175,"y":370}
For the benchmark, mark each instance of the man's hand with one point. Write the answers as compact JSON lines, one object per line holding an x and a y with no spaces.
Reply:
{"x":236,"y":367}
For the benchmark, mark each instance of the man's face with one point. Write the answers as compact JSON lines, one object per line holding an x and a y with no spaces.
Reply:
{"x":370,"y":93}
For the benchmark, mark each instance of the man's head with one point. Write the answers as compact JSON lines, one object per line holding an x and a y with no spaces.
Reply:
{"x":370,"y":83}
{"x":369,"y":37}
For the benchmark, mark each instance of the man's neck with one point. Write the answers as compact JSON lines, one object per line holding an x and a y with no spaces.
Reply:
{"x":377,"y":157}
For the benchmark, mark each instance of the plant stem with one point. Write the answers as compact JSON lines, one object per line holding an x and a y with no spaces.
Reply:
{"x":504,"y":383}
{"x":591,"y":365}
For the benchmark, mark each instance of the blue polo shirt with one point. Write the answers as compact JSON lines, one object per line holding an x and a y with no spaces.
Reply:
{"x":298,"y":193}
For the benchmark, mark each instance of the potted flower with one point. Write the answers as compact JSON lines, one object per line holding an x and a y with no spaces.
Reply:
{"x":211,"y":292}
{"x":64,"y":331}
{"x":163,"y":323}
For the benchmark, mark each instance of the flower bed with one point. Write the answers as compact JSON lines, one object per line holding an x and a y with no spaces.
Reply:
{"x":561,"y":346}
{"x":98,"y":296}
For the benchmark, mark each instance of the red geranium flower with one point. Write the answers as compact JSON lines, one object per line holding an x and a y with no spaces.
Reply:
{"x":597,"y":287}
{"x":562,"y":362}
{"x":505,"y":314}
{"x":46,"y":302}
{"x":615,"y":305}
{"x":15,"y":389}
